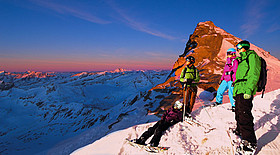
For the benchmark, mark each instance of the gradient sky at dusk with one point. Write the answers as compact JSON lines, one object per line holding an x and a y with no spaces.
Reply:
{"x":95,"y":35}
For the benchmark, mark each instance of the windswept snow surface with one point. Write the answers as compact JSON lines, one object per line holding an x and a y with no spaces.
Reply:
{"x":191,"y":139}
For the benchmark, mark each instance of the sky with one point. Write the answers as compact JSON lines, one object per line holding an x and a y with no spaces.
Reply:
{"x":97,"y":35}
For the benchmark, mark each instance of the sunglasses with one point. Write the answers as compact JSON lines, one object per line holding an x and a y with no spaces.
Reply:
{"x":239,"y":47}
{"x":189,"y":60}
{"x":230,"y":53}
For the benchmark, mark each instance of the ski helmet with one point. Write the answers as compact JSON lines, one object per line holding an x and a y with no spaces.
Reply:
{"x":191,"y":59}
{"x":243,"y":44}
{"x":231,"y":51}
{"x":178,"y":105}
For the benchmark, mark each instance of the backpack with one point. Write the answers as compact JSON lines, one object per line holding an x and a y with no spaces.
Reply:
{"x":263,"y":76}
{"x":194,"y":73}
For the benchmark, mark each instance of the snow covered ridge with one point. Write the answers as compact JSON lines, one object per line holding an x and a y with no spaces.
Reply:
{"x":191,"y":139}
{"x":28,"y":74}
{"x":36,"y":113}
{"x":118,"y":70}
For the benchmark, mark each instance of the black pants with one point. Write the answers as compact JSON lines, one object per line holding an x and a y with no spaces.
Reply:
{"x":244,"y":118}
{"x":156,"y":130}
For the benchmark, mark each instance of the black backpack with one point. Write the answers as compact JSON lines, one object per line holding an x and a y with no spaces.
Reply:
{"x":263,"y":76}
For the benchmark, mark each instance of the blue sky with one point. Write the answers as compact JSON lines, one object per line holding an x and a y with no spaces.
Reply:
{"x":90,"y":35}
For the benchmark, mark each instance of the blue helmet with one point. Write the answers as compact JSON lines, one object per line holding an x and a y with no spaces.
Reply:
{"x":231,"y":51}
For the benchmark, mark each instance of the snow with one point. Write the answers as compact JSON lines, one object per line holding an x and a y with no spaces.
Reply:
{"x":186,"y":139}
{"x":41,"y":111}
{"x":203,"y":23}
{"x":223,"y":50}
{"x":220,"y":31}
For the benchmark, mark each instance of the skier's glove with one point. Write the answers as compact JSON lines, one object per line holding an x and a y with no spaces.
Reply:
{"x":246,"y":96}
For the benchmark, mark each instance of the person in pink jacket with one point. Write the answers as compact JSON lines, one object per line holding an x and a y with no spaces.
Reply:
{"x":228,"y":78}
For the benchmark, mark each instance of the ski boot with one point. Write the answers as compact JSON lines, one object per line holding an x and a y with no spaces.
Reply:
{"x":246,"y":148}
{"x":141,"y":141}
{"x":216,"y":104}
{"x":236,"y":132}
{"x":233,"y":108}
{"x":188,"y":117}
{"x":152,"y":145}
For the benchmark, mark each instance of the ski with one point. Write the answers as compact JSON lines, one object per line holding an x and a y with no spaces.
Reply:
{"x":214,"y":104}
{"x":207,"y":127}
{"x":232,"y":109}
{"x":232,"y":144}
{"x":209,"y":104}
{"x":234,"y":140}
{"x":147,"y":148}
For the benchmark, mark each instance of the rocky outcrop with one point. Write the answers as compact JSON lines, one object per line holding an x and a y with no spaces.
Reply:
{"x":208,"y":44}
{"x":5,"y":85}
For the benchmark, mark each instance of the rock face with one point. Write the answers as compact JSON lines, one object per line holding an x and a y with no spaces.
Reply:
{"x":210,"y":53}
{"x":5,"y":85}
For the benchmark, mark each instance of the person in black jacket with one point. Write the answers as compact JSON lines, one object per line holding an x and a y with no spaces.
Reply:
{"x":168,"y":119}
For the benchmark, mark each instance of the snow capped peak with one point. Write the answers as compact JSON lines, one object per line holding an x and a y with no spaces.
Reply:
{"x":80,"y":74}
{"x":209,"y":42}
{"x":211,"y":26}
{"x":119,"y":70}
{"x":206,"y":23}
{"x":33,"y":74}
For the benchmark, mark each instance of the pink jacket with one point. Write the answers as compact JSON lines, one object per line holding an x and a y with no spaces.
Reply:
{"x":230,"y":69}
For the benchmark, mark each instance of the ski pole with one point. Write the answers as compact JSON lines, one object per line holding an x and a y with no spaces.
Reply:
{"x":203,"y":106}
{"x":184,"y":100}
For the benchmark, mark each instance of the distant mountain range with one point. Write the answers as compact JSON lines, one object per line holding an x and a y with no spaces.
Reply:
{"x":37,"y":110}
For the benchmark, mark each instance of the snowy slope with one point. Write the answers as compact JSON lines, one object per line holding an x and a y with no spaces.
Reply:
{"x":186,"y":139}
{"x":42,"y":109}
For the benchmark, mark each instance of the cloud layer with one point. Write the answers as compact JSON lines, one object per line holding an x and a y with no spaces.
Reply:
{"x":123,"y":17}
{"x":71,"y":10}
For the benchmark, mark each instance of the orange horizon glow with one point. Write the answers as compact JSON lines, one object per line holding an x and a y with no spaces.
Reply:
{"x":13,"y":65}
